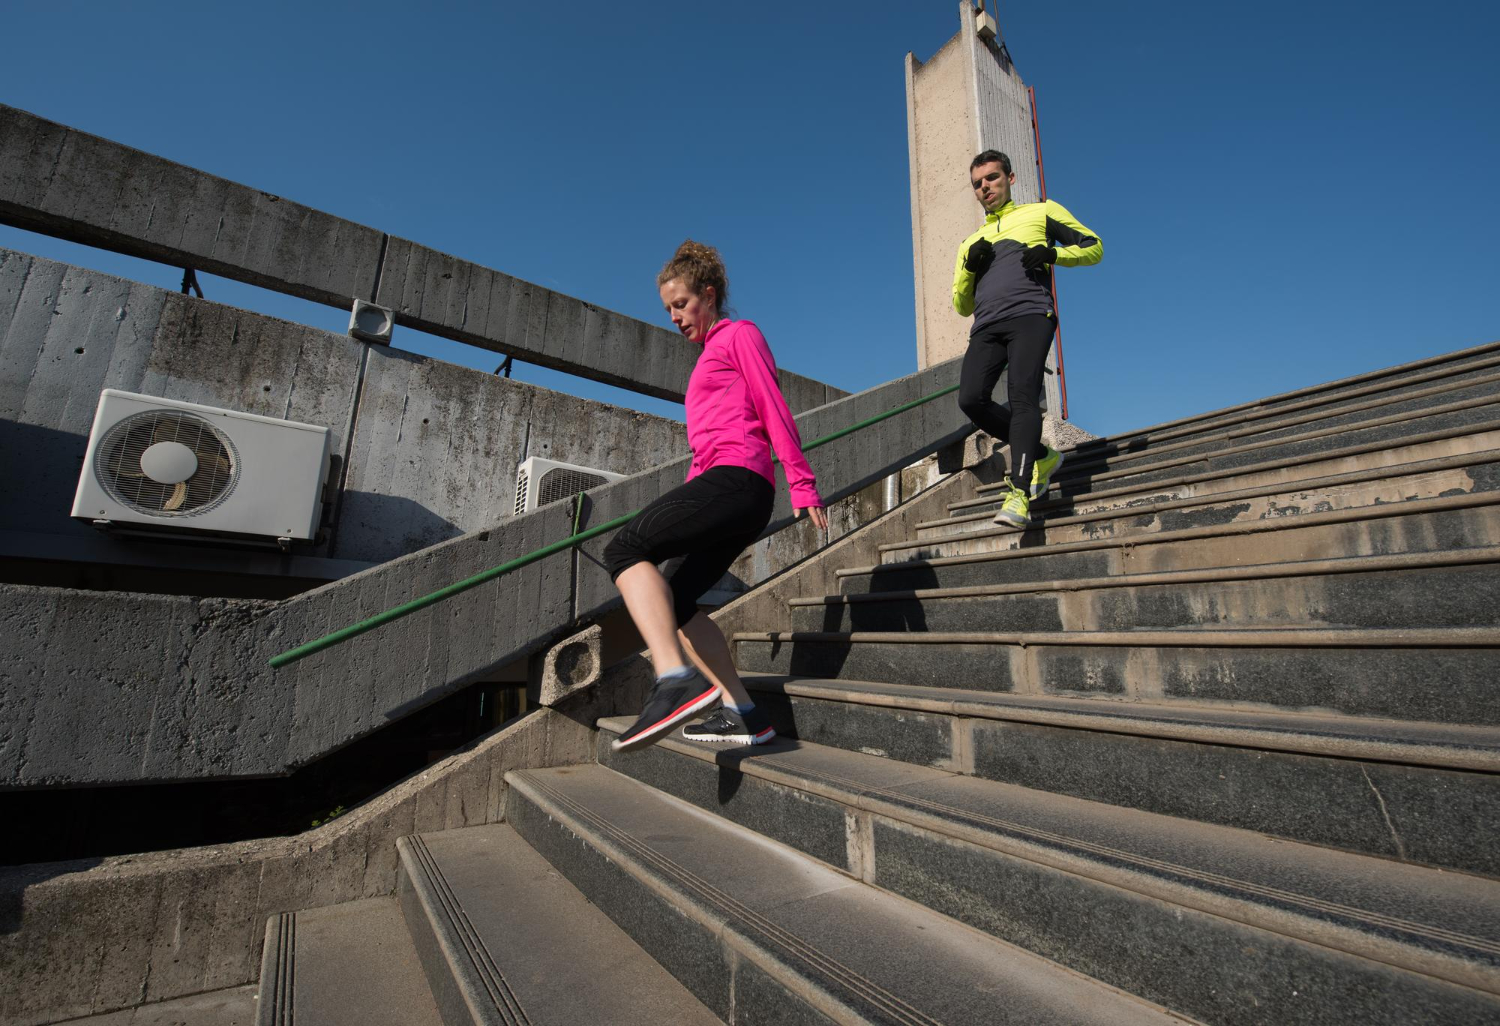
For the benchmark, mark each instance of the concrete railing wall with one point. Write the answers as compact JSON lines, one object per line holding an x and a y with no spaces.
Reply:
{"x":111,"y":688}
{"x":72,"y":185}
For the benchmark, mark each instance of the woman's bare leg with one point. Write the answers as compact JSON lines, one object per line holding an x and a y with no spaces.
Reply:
{"x":709,"y":649}
{"x":649,"y":600}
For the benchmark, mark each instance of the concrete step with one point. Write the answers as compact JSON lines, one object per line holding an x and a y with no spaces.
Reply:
{"x":1456,"y":475}
{"x":1408,"y":791}
{"x":343,"y":965}
{"x":1475,"y":417}
{"x":1420,"y":525}
{"x":1444,"y":675}
{"x":1415,"y":374}
{"x":1434,"y":452}
{"x":1451,"y":588}
{"x":764,"y":934}
{"x":1235,"y":915}
{"x":506,"y":940}
{"x":1391,"y":405}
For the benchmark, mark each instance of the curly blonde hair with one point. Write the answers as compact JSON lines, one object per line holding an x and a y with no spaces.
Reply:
{"x":699,"y":266}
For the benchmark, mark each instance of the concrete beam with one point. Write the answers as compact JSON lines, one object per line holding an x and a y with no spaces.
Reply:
{"x":72,"y":185}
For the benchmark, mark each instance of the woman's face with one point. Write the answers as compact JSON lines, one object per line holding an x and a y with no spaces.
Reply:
{"x":691,"y":313}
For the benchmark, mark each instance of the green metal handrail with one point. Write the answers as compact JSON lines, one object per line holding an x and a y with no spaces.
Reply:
{"x":578,"y":538}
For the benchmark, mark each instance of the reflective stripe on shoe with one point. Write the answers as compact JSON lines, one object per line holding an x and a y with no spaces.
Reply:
{"x":656,"y":722}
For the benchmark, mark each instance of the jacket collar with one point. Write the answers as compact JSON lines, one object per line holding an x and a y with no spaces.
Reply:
{"x":992,"y":218}
{"x":719,"y":325}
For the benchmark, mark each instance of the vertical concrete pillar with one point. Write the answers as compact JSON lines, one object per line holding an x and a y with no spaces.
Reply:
{"x":966,"y":98}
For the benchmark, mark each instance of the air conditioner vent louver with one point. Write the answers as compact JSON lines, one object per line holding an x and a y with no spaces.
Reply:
{"x":118,"y":464}
{"x":564,"y":484}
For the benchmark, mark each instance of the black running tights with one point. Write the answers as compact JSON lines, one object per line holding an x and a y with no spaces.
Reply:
{"x":1022,"y":343}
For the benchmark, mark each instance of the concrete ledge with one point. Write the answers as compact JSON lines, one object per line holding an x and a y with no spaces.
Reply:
{"x":83,"y":188}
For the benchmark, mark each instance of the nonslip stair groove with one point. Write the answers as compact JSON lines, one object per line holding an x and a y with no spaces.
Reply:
{"x":501,"y":998}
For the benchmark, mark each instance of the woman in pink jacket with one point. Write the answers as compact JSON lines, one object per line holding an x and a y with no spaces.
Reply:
{"x":735,"y":416}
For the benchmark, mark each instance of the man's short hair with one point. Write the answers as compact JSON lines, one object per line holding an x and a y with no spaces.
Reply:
{"x":992,"y":157}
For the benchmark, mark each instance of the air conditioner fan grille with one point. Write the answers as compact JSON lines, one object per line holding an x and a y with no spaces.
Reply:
{"x":117,"y":464}
{"x":564,"y":484}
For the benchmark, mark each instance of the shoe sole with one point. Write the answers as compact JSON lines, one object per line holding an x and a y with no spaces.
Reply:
{"x":666,"y":724}
{"x":1005,"y":521}
{"x":737,"y":739}
{"x":1040,"y":488}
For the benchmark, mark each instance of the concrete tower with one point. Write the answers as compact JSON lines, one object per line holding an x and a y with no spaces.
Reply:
{"x":967,"y":97}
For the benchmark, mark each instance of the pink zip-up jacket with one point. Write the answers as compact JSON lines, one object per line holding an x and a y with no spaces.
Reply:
{"x":736,"y":413}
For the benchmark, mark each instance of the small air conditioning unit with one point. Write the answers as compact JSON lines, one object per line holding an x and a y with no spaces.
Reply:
{"x":540,"y":481}
{"x":165,"y":466}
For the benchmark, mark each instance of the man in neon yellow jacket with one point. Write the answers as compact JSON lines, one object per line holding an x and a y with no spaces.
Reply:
{"x":1003,"y":277}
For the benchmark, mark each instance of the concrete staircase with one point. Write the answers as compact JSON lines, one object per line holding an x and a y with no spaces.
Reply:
{"x":1216,"y":740}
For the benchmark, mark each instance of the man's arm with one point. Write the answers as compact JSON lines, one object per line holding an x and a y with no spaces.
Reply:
{"x":1077,"y":246}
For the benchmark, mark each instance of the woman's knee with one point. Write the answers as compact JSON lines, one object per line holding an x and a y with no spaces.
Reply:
{"x":624,"y":551}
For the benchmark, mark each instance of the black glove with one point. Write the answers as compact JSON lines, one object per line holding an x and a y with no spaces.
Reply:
{"x":981,"y":254}
{"x":1037,"y":256}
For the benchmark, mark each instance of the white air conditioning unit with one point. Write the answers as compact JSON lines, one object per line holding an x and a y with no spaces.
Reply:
{"x":162,"y":465}
{"x":540,"y":481}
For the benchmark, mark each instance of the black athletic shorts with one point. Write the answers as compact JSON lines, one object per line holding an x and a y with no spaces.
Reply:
{"x":709,"y":520}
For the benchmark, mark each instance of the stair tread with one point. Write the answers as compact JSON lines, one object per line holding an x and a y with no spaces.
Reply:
{"x":1408,"y":741}
{"x":1229,"y":637}
{"x":548,"y":948}
{"x":1458,"y":361}
{"x":1406,"y":425}
{"x":352,"y":964}
{"x":1378,"y":511}
{"x":1443,"y":923}
{"x":1173,"y":452}
{"x":883,"y":958}
{"x":1327,"y":482}
{"x":1478,"y":555}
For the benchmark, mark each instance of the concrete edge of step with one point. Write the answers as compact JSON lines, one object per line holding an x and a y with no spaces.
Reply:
{"x":463,"y":983}
{"x":277,"y":969}
{"x":1376,"y":511}
{"x":1059,"y":501}
{"x":1334,"y":735}
{"x":1287,"y":913}
{"x":1239,"y":572}
{"x":672,"y":885}
{"x":1458,"y":358}
{"x":1245,"y":427}
{"x":1393,"y":472}
{"x":1115,"y":472}
{"x":1247,"y":637}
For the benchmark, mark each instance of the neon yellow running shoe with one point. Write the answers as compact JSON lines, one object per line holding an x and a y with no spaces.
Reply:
{"x":1016,"y":510}
{"x":1042,"y":471}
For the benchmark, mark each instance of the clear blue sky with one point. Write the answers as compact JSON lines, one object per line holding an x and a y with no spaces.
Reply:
{"x":1287,"y":192}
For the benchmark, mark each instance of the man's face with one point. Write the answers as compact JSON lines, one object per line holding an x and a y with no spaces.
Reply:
{"x":991,"y":185}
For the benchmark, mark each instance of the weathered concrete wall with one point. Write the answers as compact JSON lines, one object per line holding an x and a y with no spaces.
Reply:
{"x":77,"y":186}
{"x":430,"y":448}
{"x":109,"y":687}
